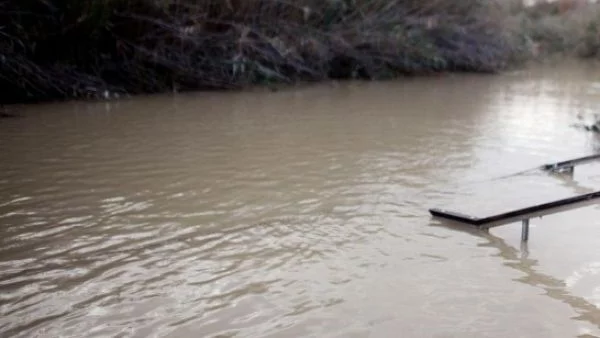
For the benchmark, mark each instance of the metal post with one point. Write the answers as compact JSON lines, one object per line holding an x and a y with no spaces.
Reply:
{"x":525,"y":230}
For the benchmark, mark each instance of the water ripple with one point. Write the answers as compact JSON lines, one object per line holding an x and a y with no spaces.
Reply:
{"x":234,"y":217}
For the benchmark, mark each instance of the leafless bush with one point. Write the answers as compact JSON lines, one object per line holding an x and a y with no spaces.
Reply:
{"x":77,"y":48}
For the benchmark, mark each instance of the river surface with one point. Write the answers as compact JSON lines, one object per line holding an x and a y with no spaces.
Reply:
{"x":303,"y":212}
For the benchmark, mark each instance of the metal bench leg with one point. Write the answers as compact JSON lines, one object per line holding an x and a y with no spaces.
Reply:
{"x":525,"y":230}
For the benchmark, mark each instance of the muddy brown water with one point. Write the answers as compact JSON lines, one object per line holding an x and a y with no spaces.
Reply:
{"x":302,"y":212}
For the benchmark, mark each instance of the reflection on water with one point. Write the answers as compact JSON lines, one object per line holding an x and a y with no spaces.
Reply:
{"x":520,"y":260}
{"x":301,"y":212}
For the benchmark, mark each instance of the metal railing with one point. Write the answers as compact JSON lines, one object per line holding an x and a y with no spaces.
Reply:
{"x":525,"y":214}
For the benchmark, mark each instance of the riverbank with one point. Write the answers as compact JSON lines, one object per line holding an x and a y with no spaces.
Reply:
{"x":103,"y":49}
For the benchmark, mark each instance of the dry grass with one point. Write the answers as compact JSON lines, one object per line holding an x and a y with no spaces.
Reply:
{"x":551,"y":30}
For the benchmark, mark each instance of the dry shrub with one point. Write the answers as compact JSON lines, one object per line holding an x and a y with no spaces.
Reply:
{"x":75,"y":48}
{"x":565,"y":28}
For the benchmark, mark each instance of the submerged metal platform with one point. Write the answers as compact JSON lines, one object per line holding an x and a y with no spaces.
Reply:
{"x":524,"y":214}
{"x":528,"y":212}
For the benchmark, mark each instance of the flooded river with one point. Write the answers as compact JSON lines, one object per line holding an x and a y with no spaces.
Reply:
{"x":302,"y":212}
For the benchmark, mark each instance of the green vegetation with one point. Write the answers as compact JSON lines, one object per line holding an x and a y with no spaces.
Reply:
{"x":52,"y":49}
